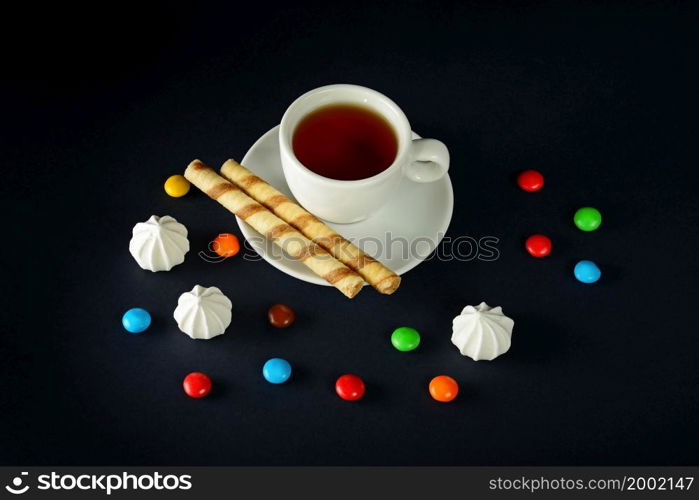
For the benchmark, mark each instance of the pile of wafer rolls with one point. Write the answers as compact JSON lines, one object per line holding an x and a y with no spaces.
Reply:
{"x":289,"y":226}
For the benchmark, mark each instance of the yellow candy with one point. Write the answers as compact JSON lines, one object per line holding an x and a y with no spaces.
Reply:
{"x":177,"y":186}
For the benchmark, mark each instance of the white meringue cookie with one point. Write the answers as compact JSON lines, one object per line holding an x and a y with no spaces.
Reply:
{"x":203,"y":313}
{"x":159,"y":244}
{"x":482,"y":332}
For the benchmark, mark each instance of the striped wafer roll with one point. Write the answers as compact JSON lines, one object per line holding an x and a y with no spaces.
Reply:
{"x":376,"y":274}
{"x":282,"y":234}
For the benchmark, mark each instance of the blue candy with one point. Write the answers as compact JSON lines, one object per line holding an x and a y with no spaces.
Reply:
{"x":136,"y":320}
{"x":276,"y":371}
{"x":587,"y":271}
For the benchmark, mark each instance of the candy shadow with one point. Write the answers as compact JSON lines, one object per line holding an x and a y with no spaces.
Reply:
{"x":375,"y":393}
{"x":466,"y":396}
{"x":299,"y":376}
{"x":157,"y":326}
{"x":611,"y":274}
{"x":513,"y":178}
{"x":219,"y":390}
{"x":200,"y":246}
{"x":536,"y":339}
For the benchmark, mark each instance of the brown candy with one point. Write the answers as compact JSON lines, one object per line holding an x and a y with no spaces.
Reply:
{"x":281,"y":315}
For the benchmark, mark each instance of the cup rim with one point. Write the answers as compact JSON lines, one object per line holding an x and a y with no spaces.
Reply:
{"x":404,"y":136}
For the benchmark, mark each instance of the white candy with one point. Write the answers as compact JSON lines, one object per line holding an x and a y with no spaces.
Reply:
{"x":159,"y":244}
{"x":482,"y":332}
{"x":203,"y":313}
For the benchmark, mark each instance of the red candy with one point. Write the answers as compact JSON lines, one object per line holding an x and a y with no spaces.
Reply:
{"x":350,"y":387}
{"x":197,"y":385}
{"x":530,"y":180}
{"x":538,"y":245}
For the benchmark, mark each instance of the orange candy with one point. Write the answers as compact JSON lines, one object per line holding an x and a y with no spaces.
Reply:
{"x":443,"y":388}
{"x":226,"y":245}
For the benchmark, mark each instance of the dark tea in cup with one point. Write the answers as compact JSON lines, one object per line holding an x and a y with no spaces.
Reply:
{"x":345,"y":142}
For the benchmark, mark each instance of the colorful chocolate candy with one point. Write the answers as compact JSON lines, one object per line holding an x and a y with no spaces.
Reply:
{"x":276,"y":371}
{"x":196,"y":385}
{"x":587,"y":219}
{"x":538,"y":245}
{"x":350,"y":387}
{"x":530,"y":180}
{"x":443,"y":388}
{"x":226,"y":245}
{"x":587,"y":271}
{"x":405,"y":338}
{"x":177,"y":186}
{"x":136,"y":320}
{"x":281,"y":315}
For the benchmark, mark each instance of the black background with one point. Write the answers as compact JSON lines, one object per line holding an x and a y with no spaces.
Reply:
{"x":101,"y":105}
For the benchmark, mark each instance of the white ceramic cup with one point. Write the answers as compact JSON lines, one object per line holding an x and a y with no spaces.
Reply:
{"x":421,"y":160}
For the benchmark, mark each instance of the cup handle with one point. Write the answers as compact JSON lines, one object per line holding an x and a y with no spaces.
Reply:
{"x":429,"y":160}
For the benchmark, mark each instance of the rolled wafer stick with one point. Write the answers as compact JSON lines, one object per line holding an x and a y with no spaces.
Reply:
{"x":282,"y":234}
{"x":376,"y":274}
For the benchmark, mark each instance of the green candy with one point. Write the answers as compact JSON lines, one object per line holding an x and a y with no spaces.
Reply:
{"x":587,"y":218}
{"x":405,"y":338}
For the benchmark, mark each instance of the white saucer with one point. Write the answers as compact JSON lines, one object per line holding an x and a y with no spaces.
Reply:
{"x":415,"y":220}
